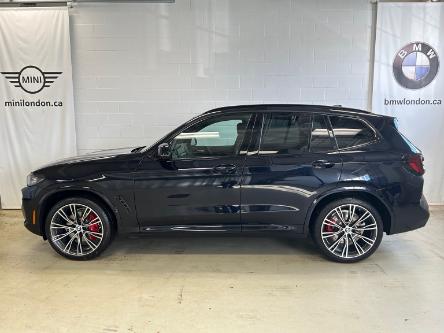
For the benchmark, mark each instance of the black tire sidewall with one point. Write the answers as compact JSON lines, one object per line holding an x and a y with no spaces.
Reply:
{"x":316,"y":229}
{"x":106,"y":223}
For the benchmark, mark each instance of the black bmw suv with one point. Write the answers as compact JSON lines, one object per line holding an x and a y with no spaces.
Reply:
{"x":342,"y":175}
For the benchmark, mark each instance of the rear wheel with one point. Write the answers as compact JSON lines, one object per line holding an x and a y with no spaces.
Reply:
{"x":78,"y":228}
{"x":348,"y":230}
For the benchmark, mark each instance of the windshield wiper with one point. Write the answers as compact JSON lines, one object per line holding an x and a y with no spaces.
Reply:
{"x":135,"y":150}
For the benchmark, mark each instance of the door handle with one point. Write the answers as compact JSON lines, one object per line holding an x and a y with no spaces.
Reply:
{"x":321,"y":164}
{"x":225,"y":168}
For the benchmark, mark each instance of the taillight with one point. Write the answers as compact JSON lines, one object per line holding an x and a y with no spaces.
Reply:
{"x":414,"y":163}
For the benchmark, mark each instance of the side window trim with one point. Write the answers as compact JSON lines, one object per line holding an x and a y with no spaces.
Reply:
{"x":331,"y":133}
{"x":255,"y":135}
{"x":249,"y":135}
{"x":261,"y":132}
{"x":311,"y":133}
{"x":333,"y":141}
{"x":366,"y":123}
{"x":266,"y":116}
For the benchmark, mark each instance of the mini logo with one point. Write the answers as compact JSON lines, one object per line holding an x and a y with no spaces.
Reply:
{"x":415,"y":65}
{"x":31,"y":79}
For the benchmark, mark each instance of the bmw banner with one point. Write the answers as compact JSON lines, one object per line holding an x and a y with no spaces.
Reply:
{"x":36,"y":95}
{"x":408,"y":83}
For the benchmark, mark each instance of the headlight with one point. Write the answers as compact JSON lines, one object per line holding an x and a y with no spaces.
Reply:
{"x":33,"y":179}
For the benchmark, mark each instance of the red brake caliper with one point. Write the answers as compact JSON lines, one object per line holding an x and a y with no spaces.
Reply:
{"x":93,"y":227}
{"x":330,"y":228}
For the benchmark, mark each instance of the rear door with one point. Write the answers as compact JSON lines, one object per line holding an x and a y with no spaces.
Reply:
{"x":292,"y":158}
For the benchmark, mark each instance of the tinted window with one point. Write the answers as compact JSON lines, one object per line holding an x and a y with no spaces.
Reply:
{"x":286,"y":133}
{"x":351,"y":132}
{"x":215,"y":136}
{"x":320,"y":136}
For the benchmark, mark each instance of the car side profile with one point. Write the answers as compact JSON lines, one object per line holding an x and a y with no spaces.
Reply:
{"x":343,"y":176}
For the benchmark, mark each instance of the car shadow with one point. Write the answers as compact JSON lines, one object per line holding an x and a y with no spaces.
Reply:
{"x":209,"y":244}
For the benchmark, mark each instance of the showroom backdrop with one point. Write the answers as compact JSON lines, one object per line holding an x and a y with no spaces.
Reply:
{"x":408,"y":83}
{"x":141,"y":73}
{"x":36,"y":95}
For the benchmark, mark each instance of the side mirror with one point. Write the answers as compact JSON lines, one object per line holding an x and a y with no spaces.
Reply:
{"x":164,"y":151}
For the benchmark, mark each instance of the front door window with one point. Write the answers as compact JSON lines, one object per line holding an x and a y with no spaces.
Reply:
{"x":219,"y":136}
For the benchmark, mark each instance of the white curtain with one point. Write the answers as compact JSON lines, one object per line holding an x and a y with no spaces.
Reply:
{"x":408,"y":82}
{"x":36,"y":95}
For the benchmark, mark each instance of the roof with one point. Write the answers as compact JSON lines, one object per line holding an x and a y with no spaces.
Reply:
{"x":294,"y":107}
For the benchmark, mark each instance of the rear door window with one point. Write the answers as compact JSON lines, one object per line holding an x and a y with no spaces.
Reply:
{"x":286,"y":133}
{"x":351,"y":132}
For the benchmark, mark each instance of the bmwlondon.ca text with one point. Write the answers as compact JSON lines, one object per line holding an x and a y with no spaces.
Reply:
{"x":412,"y":101}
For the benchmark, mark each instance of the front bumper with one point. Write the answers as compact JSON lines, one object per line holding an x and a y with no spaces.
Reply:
{"x":410,"y":216}
{"x":30,"y":211}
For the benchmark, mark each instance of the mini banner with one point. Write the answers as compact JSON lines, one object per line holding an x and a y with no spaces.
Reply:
{"x":36,"y":95}
{"x":408,"y":82}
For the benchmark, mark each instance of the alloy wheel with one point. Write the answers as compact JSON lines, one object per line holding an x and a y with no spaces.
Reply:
{"x":76,"y":229}
{"x":349,"y":231}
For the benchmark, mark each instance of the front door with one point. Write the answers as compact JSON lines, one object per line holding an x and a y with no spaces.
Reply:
{"x":293,"y":159}
{"x":198,"y":187}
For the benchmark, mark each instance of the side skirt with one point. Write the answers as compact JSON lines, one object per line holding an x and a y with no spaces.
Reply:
{"x":191,"y":228}
{"x":221,"y":228}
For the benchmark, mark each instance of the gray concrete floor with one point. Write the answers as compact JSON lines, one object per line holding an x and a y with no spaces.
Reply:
{"x":214,"y":283}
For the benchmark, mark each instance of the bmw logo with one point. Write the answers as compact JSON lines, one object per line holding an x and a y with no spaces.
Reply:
{"x":415,"y":65}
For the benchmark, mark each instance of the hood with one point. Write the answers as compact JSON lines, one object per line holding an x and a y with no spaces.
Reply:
{"x":96,"y":155}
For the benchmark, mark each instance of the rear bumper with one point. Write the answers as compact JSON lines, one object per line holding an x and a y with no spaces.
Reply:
{"x":410,"y":216}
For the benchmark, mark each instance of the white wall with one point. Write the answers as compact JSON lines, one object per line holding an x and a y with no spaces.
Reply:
{"x":142,"y":69}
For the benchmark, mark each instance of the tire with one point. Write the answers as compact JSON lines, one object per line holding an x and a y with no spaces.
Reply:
{"x":351,"y":237}
{"x":78,"y":228}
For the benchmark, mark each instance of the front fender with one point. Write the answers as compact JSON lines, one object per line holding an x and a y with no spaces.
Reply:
{"x":118,"y":204}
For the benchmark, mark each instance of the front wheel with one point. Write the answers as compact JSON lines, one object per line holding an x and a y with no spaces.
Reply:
{"x":348,"y":230}
{"x":78,"y":228}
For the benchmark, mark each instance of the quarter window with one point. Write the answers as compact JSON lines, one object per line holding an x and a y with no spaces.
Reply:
{"x":286,"y":133}
{"x":351,"y":132}
{"x":216,"y":136}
